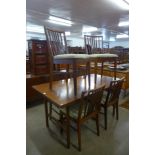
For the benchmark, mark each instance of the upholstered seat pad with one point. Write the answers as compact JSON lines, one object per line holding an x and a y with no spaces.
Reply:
{"x":103,"y":55}
{"x":72,"y":56}
{"x":84,"y":56}
{"x":73,"y":111}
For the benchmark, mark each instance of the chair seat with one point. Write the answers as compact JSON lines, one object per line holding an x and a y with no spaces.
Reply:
{"x":73,"y":111}
{"x":103,"y":100}
{"x":72,"y":56}
{"x":103,"y":55}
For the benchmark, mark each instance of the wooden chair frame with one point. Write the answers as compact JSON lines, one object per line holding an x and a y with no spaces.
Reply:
{"x":112,"y":98}
{"x":89,"y":107}
{"x":58,"y":54}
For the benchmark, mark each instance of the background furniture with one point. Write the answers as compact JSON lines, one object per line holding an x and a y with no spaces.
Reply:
{"x":28,"y":65}
{"x":123,"y":54}
{"x":38,"y":57}
{"x":31,"y":94}
{"x":76,"y":50}
{"x":107,"y":71}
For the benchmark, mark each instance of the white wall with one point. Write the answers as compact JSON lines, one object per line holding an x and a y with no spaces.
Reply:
{"x":75,"y":41}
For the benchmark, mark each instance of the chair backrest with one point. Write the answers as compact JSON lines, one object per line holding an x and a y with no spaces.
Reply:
{"x":56,"y":41}
{"x":93,"y":44}
{"x":114,"y":92}
{"x":90,"y":103}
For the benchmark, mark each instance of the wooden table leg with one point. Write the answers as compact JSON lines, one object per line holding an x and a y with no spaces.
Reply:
{"x":115,"y":67}
{"x":46,"y":112}
{"x":74,"y":78}
{"x":95,"y":68}
{"x":102,"y":65}
{"x":51,"y":76}
{"x":88,"y":72}
{"x":68,"y":128}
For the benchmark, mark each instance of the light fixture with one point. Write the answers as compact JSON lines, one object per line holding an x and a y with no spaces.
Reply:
{"x":123,"y":23}
{"x":60,"y":21}
{"x":89,"y":29}
{"x":67,"y":33}
{"x":31,"y":28}
{"x":119,"y":36}
{"x":122,"y":4}
{"x":112,"y":39}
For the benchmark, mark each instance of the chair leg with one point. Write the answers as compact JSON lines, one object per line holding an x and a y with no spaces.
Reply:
{"x":46,"y":112}
{"x":95,"y":71}
{"x":88,"y":72}
{"x":68,"y":128}
{"x":61,"y":121}
{"x":105,"y":117}
{"x":50,"y":110}
{"x":79,"y":136}
{"x":67,"y":75}
{"x":113,"y":112}
{"x":97,"y":124}
{"x":102,"y":63}
{"x":117,"y":113}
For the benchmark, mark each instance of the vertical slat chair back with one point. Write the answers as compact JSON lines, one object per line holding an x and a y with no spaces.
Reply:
{"x":90,"y":103}
{"x":93,"y":44}
{"x":114,"y":92}
{"x":56,"y":41}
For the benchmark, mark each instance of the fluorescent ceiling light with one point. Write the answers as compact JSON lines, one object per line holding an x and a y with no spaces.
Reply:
{"x":67,"y":33}
{"x":39,"y":29}
{"x":89,"y":29}
{"x":125,"y":23}
{"x":112,"y":39}
{"x":121,"y":3}
{"x":35,"y":28}
{"x":122,"y":36}
{"x":60,"y":21}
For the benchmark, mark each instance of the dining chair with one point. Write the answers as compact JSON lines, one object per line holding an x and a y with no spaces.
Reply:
{"x":58,"y":55}
{"x":93,"y":44}
{"x":94,"y":47}
{"x":87,"y":108}
{"x":111,"y":98}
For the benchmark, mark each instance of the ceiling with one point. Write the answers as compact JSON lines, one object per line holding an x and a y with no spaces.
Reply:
{"x":103,"y":14}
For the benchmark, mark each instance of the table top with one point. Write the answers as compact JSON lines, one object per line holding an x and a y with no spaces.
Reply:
{"x":62,"y":93}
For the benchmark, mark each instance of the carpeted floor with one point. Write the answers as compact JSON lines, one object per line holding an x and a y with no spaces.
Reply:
{"x":124,"y":99}
{"x":114,"y":141}
{"x":41,"y":141}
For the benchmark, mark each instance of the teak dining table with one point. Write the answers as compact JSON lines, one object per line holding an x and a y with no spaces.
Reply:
{"x":62,"y":93}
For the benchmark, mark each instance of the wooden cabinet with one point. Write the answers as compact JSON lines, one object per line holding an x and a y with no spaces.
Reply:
{"x":28,"y":66}
{"x":38,"y":55}
{"x":31,"y":94}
